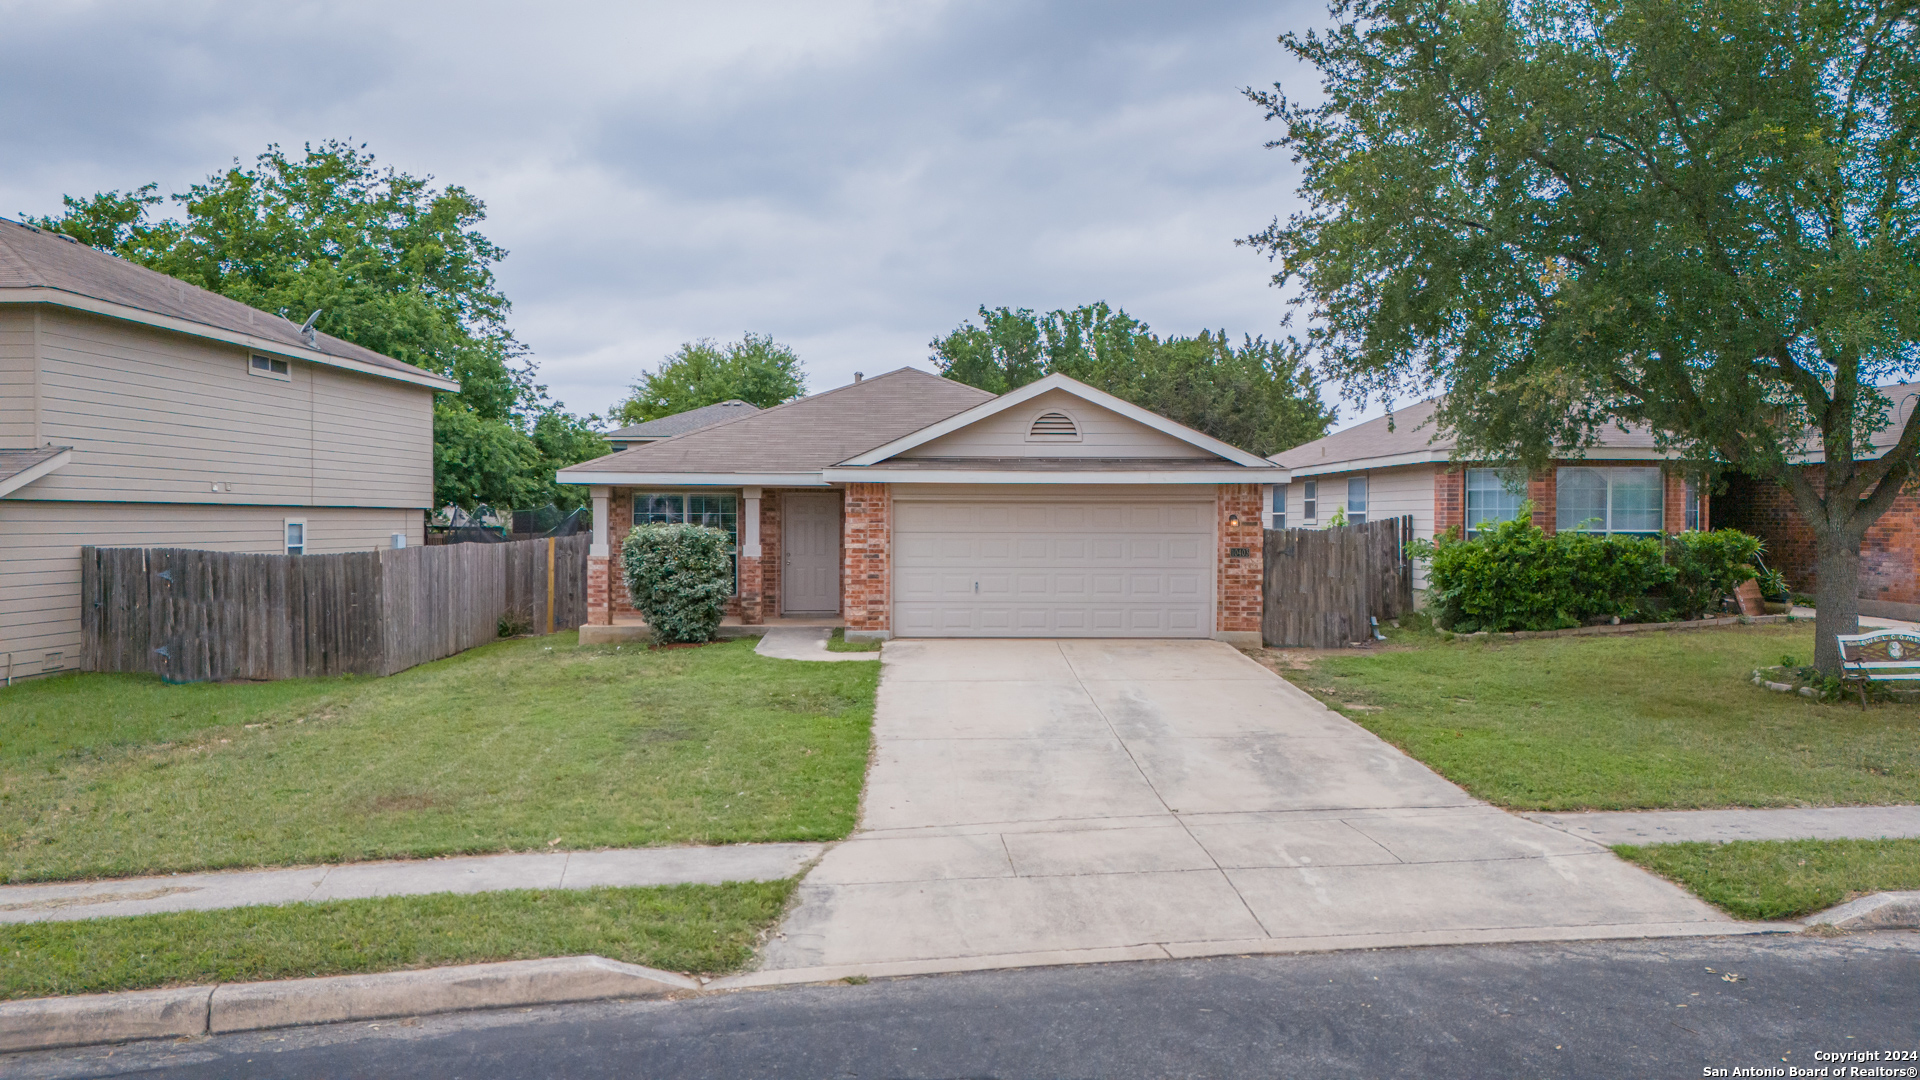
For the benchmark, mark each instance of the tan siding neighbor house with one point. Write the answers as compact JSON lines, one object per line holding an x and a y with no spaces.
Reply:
{"x":138,"y":411}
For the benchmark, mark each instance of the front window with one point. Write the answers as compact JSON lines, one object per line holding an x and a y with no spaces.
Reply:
{"x":1493,"y":496}
{"x":1693,"y":506}
{"x":717,"y":511}
{"x":1279,"y":505}
{"x":1309,"y":499}
{"x":1608,"y":500}
{"x":1357,"y":501}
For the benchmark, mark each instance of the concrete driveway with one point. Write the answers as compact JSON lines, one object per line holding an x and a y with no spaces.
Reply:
{"x":1062,"y":801}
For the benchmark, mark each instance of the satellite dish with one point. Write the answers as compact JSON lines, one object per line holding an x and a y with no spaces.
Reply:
{"x":306,"y":328}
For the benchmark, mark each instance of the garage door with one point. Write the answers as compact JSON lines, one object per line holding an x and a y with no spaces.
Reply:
{"x":1053,"y":569}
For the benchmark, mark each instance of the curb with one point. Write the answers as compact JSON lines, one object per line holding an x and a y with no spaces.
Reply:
{"x":50,"y":1023}
{"x":1881,"y":911}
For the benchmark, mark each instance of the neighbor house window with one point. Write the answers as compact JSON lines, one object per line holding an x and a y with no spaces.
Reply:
{"x":1693,"y":506}
{"x":1493,"y":496}
{"x":270,"y":367}
{"x":296,"y":537}
{"x":1608,"y":500}
{"x":718,"y":511}
{"x":1357,"y":501}
{"x":1279,"y":505}
{"x":1309,"y":499}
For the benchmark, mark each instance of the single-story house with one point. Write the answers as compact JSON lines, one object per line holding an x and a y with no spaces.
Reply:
{"x":908,"y":505}
{"x":139,"y":411}
{"x":1400,"y":464}
{"x":666,"y":427}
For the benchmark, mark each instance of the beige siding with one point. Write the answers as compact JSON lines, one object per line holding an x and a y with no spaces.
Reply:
{"x":16,"y":378}
{"x":1390,"y":493}
{"x":159,"y":417}
{"x":40,"y":555}
{"x":1104,"y":433}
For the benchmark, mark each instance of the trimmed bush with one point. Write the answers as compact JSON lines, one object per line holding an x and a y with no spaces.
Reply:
{"x":679,"y":577}
{"x":1513,"y":576}
{"x":1707,"y":566}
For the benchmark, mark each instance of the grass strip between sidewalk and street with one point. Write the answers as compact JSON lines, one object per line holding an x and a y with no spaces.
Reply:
{"x":530,"y":744}
{"x":1783,"y":879}
{"x":701,"y":929}
{"x":1643,"y":721}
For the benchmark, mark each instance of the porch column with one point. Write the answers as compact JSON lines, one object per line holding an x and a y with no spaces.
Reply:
{"x":600,"y":562}
{"x":1241,"y":587}
{"x":866,"y":552}
{"x":752,"y":578}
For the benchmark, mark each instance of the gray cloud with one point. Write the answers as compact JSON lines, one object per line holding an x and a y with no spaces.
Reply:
{"x":851,"y":177}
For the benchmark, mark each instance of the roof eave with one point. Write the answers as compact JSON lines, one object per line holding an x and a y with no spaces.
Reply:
{"x":41,"y":294}
{"x":880,"y":474}
{"x":622,"y":478}
{"x":11,"y":484}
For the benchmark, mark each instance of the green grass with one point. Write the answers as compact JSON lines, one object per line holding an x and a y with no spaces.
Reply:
{"x":687,"y":928}
{"x":1643,"y":720}
{"x":838,"y":643}
{"x":533,"y":743}
{"x":1785,"y":879}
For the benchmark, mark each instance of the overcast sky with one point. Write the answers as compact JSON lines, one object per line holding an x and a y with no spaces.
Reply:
{"x":853,"y":178}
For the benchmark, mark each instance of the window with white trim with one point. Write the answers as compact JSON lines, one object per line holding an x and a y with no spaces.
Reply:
{"x":270,"y":367}
{"x":1279,"y":505}
{"x":1357,"y":500}
{"x":296,"y":536}
{"x":1309,"y":499}
{"x":1494,"y":496}
{"x":718,"y":511}
{"x":1608,"y":500}
{"x":1694,"y":523}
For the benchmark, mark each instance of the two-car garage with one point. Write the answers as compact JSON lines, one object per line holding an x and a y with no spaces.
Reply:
{"x":1062,"y":564}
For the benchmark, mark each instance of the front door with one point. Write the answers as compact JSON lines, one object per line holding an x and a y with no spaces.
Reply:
{"x":810,"y":564}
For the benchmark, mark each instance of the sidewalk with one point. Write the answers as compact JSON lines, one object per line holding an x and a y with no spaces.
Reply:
{"x":355,"y":881}
{"x":1718,"y":826}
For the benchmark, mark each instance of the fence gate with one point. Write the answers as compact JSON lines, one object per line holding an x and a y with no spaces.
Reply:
{"x":1322,"y":585}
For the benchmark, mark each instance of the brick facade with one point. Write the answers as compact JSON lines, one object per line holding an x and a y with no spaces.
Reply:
{"x":1449,"y":498}
{"x":1673,"y":509}
{"x":1241,"y":577}
{"x":1543,"y":489}
{"x":1889,"y":554}
{"x":770,"y":553}
{"x":866,"y":553}
{"x":599,"y":613}
{"x":620,"y":523}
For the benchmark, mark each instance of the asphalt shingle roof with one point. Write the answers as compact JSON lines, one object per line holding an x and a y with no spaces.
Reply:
{"x":666,"y":427}
{"x":804,"y":435}
{"x":33,"y":258}
{"x":15,"y":462}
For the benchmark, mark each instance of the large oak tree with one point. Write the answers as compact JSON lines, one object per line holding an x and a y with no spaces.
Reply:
{"x":1699,"y":215}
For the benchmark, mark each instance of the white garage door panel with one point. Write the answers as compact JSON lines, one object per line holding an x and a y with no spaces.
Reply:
{"x":1073,"y":569}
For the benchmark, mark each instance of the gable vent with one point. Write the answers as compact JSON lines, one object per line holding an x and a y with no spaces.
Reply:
{"x":1053,"y":425}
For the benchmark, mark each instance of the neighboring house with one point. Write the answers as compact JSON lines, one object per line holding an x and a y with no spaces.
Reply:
{"x":1398,"y":465}
{"x":666,"y":427}
{"x":910,"y":505}
{"x":139,"y":411}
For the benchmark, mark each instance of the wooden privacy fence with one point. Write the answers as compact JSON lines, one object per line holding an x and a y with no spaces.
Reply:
{"x":1322,"y":585}
{"x":188,"y":615}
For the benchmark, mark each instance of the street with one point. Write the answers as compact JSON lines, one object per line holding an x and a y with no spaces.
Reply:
{"x":1610,"y":1010}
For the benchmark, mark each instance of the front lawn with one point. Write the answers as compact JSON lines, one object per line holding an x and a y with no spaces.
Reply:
{"x":1785,"y":879}
{"x":687,"y":928}
{"x":529,"y":744}
{"x":1634,"y":721}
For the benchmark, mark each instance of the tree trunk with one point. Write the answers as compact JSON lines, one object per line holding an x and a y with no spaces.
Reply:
{"x":1837,"y":595}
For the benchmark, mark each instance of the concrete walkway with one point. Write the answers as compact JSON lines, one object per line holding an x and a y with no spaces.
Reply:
{"x":351,"y":881}
{"x":797,"y":643}
{"x":1064,"y":801}
{"x":1675,"y":826}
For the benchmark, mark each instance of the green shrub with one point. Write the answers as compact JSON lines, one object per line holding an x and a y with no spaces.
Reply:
{"x":1513,"y":576}
{"x":679,"y":577}
{"x":1707,"y":566}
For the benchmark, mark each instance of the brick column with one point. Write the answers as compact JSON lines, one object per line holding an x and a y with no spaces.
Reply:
{"x":866,"y":551}
{"x":1542,"y":489}
{"x":1673,"y":510}
{"x":1242,"y":566}
{"x":1449,"y":499}
{"x":599,"y":599}
{"x":770,"y":554}
{"x":750,"y":586}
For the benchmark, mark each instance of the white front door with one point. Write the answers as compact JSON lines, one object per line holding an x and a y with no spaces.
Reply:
{"x":1054,"y":567}
{"x":810,"y":554}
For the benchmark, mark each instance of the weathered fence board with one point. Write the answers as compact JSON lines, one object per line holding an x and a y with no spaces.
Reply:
{"x":1323,"y":585}
{"x":189,"y":615}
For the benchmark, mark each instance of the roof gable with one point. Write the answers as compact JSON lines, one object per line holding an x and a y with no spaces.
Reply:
{"x":1145,"y":434}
